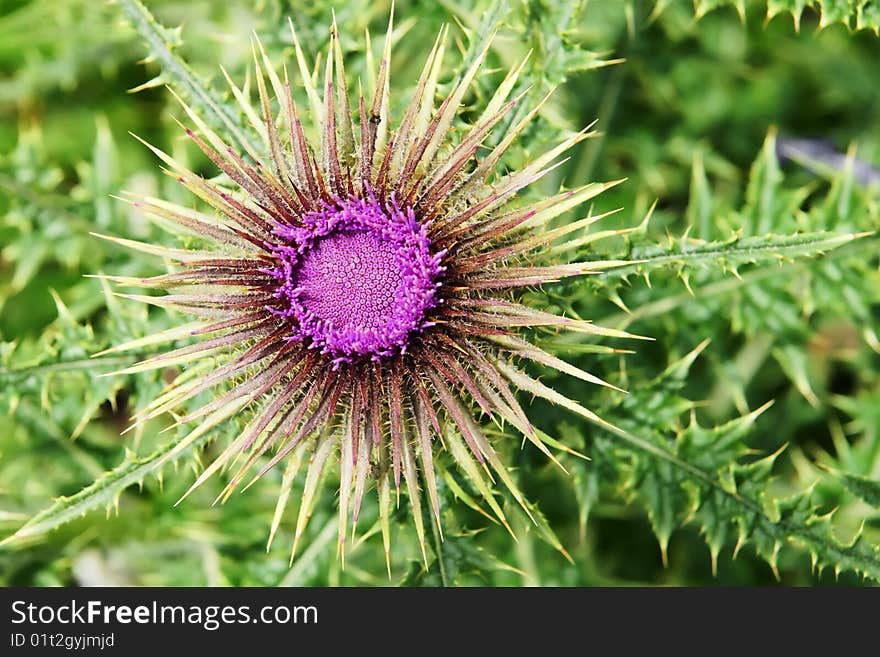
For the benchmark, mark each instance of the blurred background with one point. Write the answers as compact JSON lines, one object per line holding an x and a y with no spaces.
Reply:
{"x":736,"y":124}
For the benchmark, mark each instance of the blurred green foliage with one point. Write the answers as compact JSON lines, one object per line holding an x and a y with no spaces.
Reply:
{"x":758,"y":281}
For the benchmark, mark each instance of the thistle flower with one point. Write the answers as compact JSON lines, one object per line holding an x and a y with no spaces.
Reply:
{"x":362,"y":291}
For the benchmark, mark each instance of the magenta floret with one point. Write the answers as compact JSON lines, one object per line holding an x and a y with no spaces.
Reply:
{"x":357,"y":279}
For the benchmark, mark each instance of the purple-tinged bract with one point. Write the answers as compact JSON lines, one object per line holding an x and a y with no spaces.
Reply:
{"x":355,"y":297}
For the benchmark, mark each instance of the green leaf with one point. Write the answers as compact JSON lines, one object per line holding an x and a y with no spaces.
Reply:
{"x":105,"y":490}
{"x":865,"y":489}
{"x":854,"y":14}
{"x":686,"y":253}
{"x":694,"y":474}
{"x":177,"y":73}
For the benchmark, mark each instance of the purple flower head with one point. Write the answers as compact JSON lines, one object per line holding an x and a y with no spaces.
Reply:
{"x":358,"y":296}
{"x":357,"y":279}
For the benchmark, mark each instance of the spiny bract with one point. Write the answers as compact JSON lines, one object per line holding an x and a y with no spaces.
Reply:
{"x":362,"y":292}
